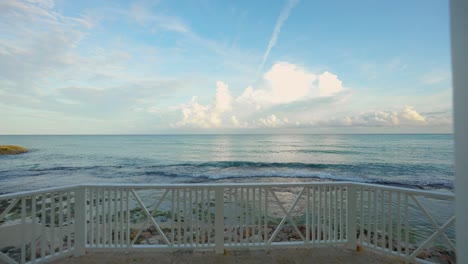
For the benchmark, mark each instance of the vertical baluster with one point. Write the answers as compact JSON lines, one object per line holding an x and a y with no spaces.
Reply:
{"x":205,"y":206}
{"x":229,"y":215}
{"x":99,"y":216}
{"x":179,"y":238}
{"x":314,"y":234}
{"x":329,"y":212}
{"x":339,"y":224}
{"x":115,"y":220}
{"x":324,"y":216}
{"x":61,"y":222}
{"x":121,"y":218}
{"x":108,"y":204}
{"x":399,"y":221}
{"x":52,"y":224}
{"x":342,"y":215}
{"x":198,"y":202}
{"x":104,"y":218}
{"x":109,"y":217}
{"x":254,"y":200}
{"x":172,"y":217}
{"x":202,"y":216}
{"x":307,"y":215}
{"x":91,"y":216}
{"x":69,"y":221}
{"x":69,"y":231}
{"x":369,"y":227}
{"x":319,"y":214}
{"x":259,"y":219}
{"x":375,"y":218}
{"x":247,"y":216}
{"x":185,"y":216}
{"x":197,"y":191}
{"x":361,"y":217}
{"x":241,"y":227}
{"x":257,"y":216}
{"x":335,"y":215}
{"x":382,"y":209}
{"x":33,"y":228}
{"x":266,"y":215}
{"x":406,"y":226}
{"x":23,"y":231}
{"x":390,"y":221}
{"x":43,"y":225}
{"x":191,"y":217}
{"x":236,"y":213}
{"x":127,"y":216}
{"x":210,"y":220}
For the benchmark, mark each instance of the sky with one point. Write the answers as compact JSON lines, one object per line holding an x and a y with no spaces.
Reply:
{"x":211,"y":66}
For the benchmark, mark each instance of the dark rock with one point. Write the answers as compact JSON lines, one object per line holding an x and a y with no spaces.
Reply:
{"x":6,"y":249}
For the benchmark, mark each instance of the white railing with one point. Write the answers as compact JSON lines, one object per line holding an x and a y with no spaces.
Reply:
{"x":39,"y":226}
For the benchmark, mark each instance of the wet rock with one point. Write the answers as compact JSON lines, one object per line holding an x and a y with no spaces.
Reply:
{"x":12,"y":150}
{"x":6,"y":249}
{"x":424,"y":254}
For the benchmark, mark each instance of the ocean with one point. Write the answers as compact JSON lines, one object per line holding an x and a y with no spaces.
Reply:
{"x":414,"y":161}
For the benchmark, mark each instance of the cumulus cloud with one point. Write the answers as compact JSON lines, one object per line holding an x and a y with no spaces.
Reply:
{"x":329,"y":84}
{"x":209,"y":116}
{"x":285,"y":84}
{"x":271,"y":121}
{"x":411,"y":115}
{"x":406,"y":116}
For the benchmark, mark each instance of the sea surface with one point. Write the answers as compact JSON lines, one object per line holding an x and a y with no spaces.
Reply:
{"x":415,"y":161}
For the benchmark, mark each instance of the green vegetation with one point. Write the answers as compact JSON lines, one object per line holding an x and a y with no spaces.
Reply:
{"x":12,"y":150}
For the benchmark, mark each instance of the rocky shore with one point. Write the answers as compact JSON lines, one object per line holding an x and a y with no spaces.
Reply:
{"x":12,"y":150}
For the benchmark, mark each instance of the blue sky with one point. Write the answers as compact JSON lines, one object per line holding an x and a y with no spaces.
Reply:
{"x":129,"y":67}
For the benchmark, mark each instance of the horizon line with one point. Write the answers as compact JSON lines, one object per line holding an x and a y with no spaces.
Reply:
{"x":226,"y":134}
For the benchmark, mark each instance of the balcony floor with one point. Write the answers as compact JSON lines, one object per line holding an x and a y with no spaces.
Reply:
{"x":328,"y":254}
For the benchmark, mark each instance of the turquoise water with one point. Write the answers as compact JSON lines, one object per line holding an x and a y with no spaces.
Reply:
{"x":419,"y":161}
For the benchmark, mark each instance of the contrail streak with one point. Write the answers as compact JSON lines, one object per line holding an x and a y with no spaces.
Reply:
{"x":274,"y":37}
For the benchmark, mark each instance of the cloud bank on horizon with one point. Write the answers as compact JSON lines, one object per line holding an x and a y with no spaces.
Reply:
{"x":231,"y":67}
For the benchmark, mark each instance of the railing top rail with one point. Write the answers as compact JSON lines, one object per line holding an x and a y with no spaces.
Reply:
{"x":226,"y":184}
{"x":35,"y":192}
{"x":434,"y":194}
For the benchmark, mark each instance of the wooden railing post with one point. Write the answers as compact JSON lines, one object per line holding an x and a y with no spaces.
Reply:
{"x":80,"y":221}
{"x":219,"y":220}
{"x":351,"y":217}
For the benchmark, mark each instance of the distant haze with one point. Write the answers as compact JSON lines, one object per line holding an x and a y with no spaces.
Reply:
{"x":131,"y":67}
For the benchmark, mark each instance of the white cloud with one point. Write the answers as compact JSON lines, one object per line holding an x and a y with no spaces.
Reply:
{"x":209,"y":116}
{"x":142,"y":14}
{"x":276,"y":31}
{"x":271,"y":121}
{"x":435,"y":77}
{"x":44,"y":3}
{"x":286,"y":83}
{"x":411,"y":115}
{"x":329,"y":84}
{"x":406,"y":116}
{"x":223,"y":98}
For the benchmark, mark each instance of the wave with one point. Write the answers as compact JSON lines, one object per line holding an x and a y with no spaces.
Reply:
{"x":424,"y":176}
